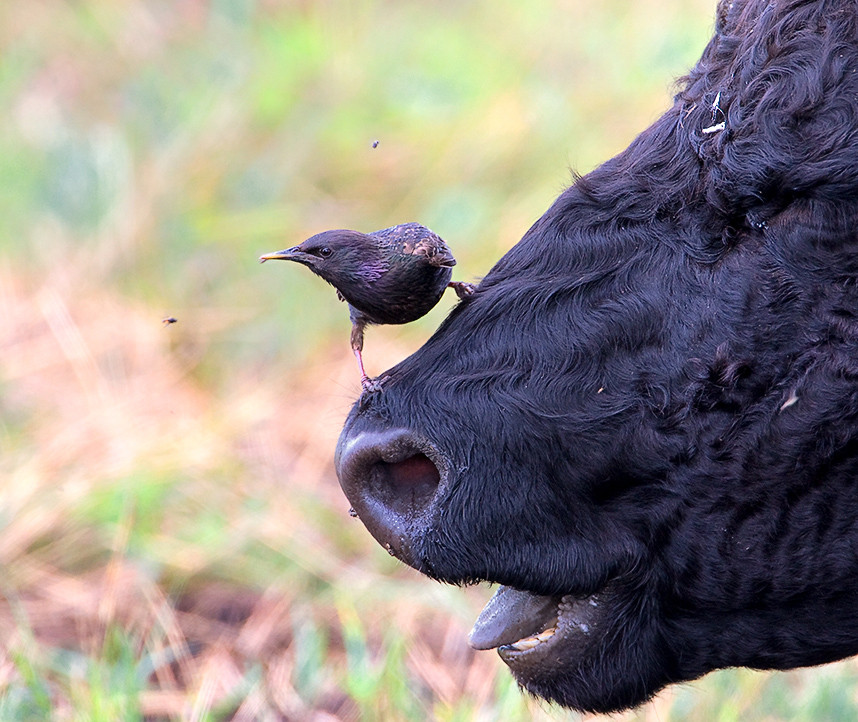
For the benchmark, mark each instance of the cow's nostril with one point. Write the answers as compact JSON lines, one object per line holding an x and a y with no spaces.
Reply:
{"x":390,"y":478}
{"x":406,"y":486}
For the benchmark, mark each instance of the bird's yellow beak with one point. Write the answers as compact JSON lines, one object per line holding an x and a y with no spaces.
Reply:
{"x":289,"y":254}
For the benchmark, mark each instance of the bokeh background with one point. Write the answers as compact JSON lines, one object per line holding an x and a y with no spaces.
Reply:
{"x":173,"y":541}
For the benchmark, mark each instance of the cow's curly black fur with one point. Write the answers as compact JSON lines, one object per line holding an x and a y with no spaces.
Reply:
{"x":656,"y":390}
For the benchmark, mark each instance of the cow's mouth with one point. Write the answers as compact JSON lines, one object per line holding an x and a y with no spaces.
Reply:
{"x":527,"y":628}
{"x":392,"y":478}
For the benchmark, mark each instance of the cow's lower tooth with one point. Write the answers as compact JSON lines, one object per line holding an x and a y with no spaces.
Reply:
{"x":524,"y":644}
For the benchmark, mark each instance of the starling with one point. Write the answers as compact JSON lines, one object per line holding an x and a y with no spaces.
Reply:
{"x":394,"y":276}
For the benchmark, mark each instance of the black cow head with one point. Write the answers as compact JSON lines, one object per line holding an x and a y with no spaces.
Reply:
{"x":644,"y":423}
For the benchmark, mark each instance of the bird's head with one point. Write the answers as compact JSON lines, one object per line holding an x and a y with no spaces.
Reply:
{"x":341,"y":257}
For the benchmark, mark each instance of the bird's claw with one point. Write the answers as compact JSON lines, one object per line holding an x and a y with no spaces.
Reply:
{"x":372,"y":386}
{"x":462,"y":289}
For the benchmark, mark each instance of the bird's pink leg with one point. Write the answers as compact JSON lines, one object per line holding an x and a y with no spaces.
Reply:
{"x":365,"y":380}
{"x":366,"y":383}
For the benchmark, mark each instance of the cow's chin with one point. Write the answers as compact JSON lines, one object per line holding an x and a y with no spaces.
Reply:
{"x":537,"y":636}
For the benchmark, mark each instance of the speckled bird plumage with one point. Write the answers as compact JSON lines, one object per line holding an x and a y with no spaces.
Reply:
{"x":391,"y":276}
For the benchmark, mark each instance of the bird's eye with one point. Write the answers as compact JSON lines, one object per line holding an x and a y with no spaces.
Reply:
{"x":324,"y":252}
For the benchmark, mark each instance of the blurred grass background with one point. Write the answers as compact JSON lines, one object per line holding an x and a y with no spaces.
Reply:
{"x":173,"y":539}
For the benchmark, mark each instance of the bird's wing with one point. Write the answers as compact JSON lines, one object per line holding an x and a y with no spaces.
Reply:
{"x":436,"y":252}
{"x":412,"y":239}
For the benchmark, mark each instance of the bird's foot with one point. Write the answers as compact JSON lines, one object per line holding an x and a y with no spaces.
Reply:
{"x":462,"y":289}
{"x":372,"y":386}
